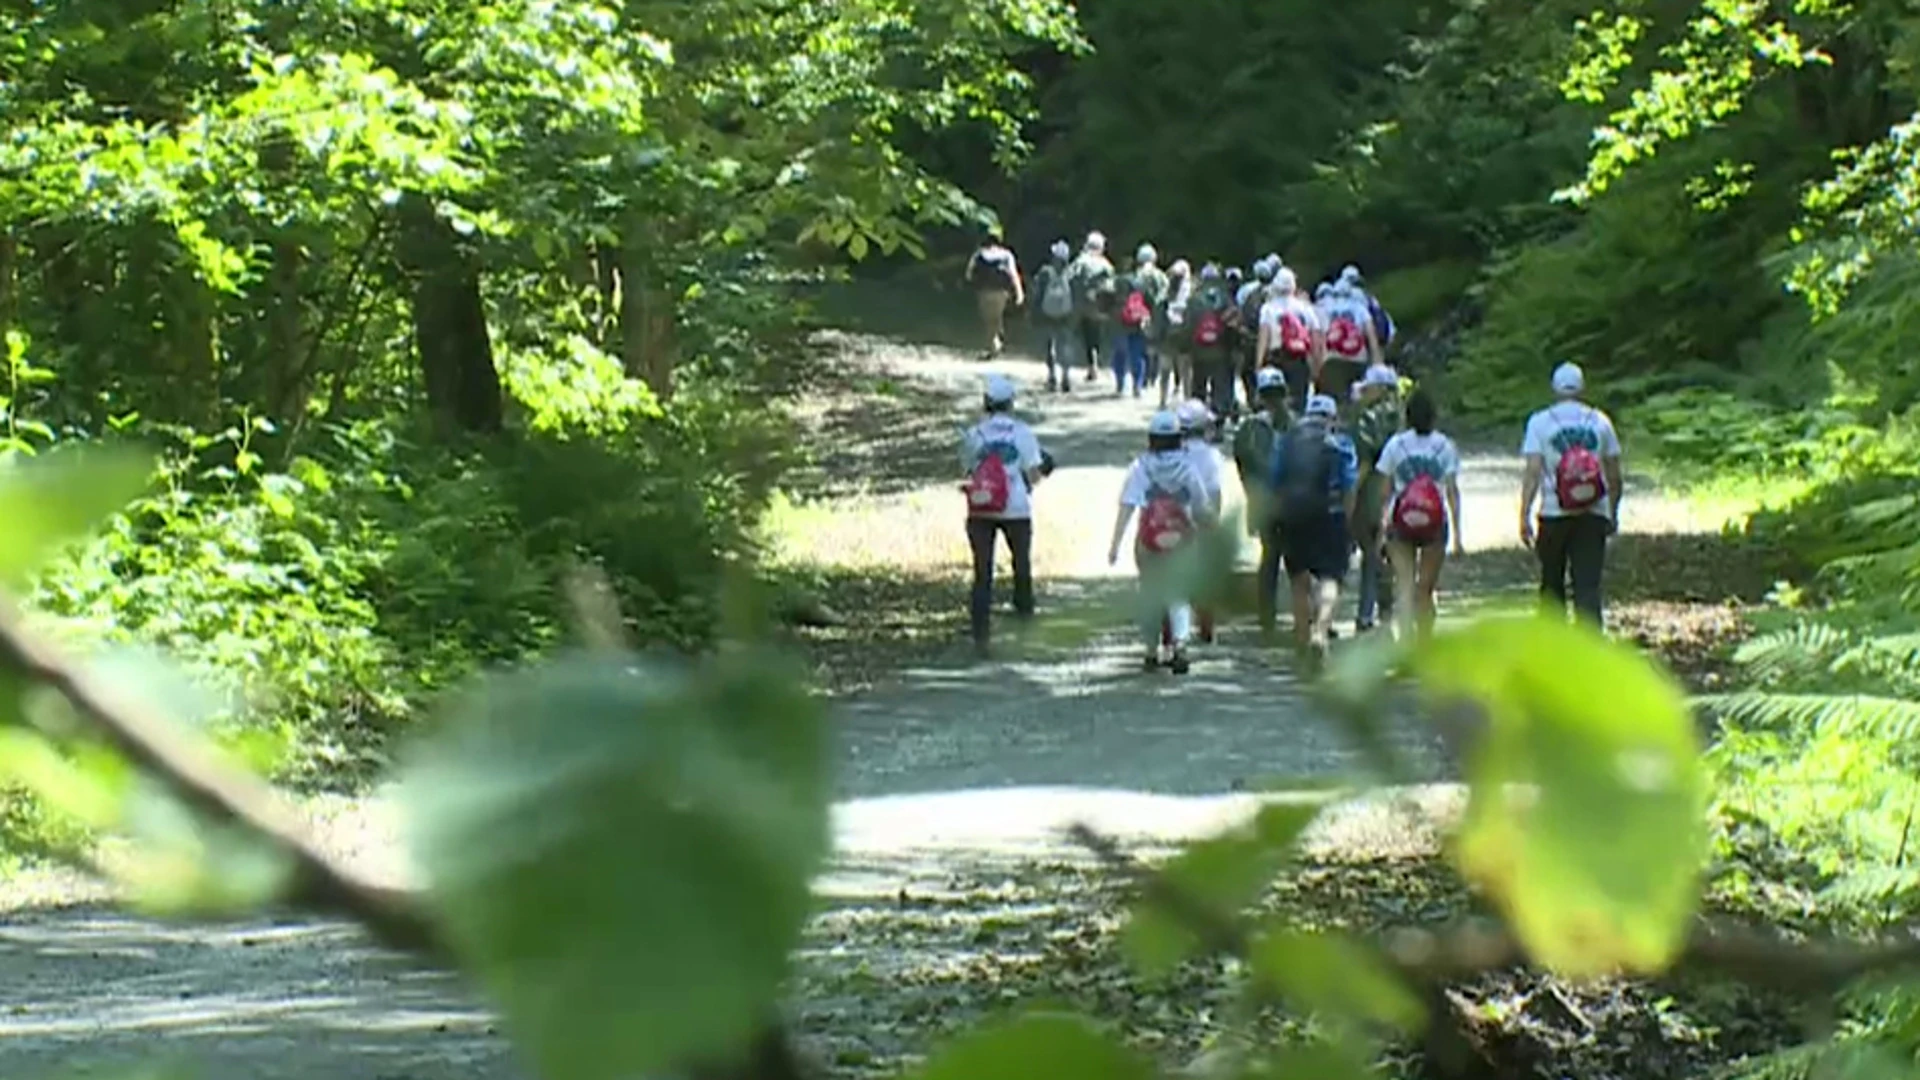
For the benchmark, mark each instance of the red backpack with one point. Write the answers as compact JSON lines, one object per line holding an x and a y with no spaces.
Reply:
{"x":1164,"y":523}
{"x":1210,"y":329}
{"x":1296,"y":337}
{"x":1419,"y":514}
{"x":1135,"y":312}
{"x":1345,"y":338}
{"x":1578,"y":480}
{"x":989,"y":488}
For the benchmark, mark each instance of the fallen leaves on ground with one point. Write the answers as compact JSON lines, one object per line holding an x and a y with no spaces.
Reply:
{"x":885,"y":977}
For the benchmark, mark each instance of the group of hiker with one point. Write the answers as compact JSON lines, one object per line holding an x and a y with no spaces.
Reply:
{"x":1200,"y":336}
{"x":1372,"y":476}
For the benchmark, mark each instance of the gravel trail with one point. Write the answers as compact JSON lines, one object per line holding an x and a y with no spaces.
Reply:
{"x":942,"y":765}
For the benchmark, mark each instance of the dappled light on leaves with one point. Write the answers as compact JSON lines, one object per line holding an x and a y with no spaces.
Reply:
{"x":622,"y":849}
{"x":1586,"y":822}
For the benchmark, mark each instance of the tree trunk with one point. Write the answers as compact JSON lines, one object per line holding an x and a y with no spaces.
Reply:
{"x":449,"y":323}
{"x":9,"y":276}
{"x":648,"y":313}
{"x":289,"y":346}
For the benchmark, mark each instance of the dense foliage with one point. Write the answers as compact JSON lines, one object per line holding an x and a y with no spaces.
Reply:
{"x":426,"y":301}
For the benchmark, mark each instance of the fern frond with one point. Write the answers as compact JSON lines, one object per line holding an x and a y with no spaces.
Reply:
{"x":1863,"y":715}
{"x":1859,"y":1057}
{"x":1793,"y":1063}
{"x":1873,"y":885}
{"x":1803,"y":650}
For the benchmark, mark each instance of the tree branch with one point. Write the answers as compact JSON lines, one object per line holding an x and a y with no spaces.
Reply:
{"x":393,"y":917}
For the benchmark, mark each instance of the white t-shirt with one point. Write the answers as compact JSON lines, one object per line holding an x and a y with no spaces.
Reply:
{"x":1271,"y":311}
{"x":1208,"y":464}
{"x":1170,"y":471}
{"x":1409,"y":454}
{"x":1353,"y":306}
{"x":1017,"y":446}
{"x":1558,"y":426}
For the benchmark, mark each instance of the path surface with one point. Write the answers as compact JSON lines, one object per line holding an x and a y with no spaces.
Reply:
{"x":941,"y":764}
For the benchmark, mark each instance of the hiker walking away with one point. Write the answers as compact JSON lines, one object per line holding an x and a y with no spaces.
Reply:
{"x":994,"y":275}
{"x":1374,"y":420}
{"x":1196,"y":435}
{"x":1168,"y":349}
{"x":1255,"y":443}
{"x":1172,"y":501}
{"x":1055,"y":316}
{"x":1422,"y":510}
{"x":1003,"y":461}
{"x":1383,"y":327}
{"x":1351,"y":345}
{"x":1573,"y":465}
{"x":1313,"y":485}
{"x":1204,"y":351}
{"x":1143,"y":294}
{"x":1248,"y":300}
{"x":1291,"y":337}
{"x":1092,"y":279}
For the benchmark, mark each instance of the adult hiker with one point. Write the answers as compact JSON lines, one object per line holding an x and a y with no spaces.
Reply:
{"x":1003,"y":462}
{"x":1173,"y":503}
{"x":1196,"y":434}
{"x":1054,"y":316}
{"x":1255,"y":442}
{"x":1573,"y":467}
{"x":1383,"y":327}
{"x":1313,"y":489}
{"x":1375,"y":418}
{"x":1422,"y":510}
{"x":1206,"y":351}
{"x":1092,"y":278}
{"x":1142,"y":294}
{"x":1248,"y":301}
{"x":994,"y":275}
{"x":1291,"y":336}
{"x":1168,"y":345}
{"x":1351,"y":344}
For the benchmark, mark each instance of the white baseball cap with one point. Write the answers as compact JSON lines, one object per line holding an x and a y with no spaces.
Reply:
{"x":1284,"y":281}
{"x":1096,"y":241}
{"x":1146,"y":254}
{"x":1322,"y":405}
{"x":1269,"y":378}
{"x":1163,"y":423}
{"x":999,"y":389}
{"x":1569,"y":379}
{"x":1350,"y":275}
{"x":1193,"y":414}
{"x":1061,"y":250}
{"x":1380,"y":375}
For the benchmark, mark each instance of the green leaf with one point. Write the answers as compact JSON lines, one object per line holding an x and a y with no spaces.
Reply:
{"x":1586,"y":821}
{"x":623,"y":851}
{"x":1334,"y":974}
{"x":50,"y":500}
{"x":1224,"y":874}
{"x":1057,"y":1046}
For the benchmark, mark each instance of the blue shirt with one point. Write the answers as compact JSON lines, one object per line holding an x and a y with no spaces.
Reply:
{"x":1340,"y":479}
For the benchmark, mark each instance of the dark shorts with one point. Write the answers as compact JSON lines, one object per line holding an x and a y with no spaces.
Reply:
{"x":1394,"y":537}
{"x":1318,"y":546}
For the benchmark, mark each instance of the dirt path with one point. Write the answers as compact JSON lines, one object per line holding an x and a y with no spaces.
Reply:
{"x":957,"y":779}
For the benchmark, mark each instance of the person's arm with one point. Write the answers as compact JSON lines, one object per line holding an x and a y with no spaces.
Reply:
{"x":1453,"y":508}
{"x":1262,"y":343}
{"x":1031,"y":460}
{"x":1119,"y":533}
{"x":1611,"y":464}
{"x":1375,"y":353}
{"x":1019,"y":283}
{"x":1349,"y":476}
{"x":966,"y":276}
{"x":1529,"y":491}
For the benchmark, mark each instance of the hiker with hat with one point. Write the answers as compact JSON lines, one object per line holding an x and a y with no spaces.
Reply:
{"x":1313,"y":491}
{"x":1254,"y":443}
{"x":1003,"y":461}
{"x":1173,"y":503}
{"x":1054,"y":315}
{"x":994,"y":275}
{"x":1573,"y":468}
{"x":1197,"y":425}
{"x":1373,"y":418}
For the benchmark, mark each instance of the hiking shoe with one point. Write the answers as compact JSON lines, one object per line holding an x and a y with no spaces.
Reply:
{"x":1151,"y":662}
{"x":1180,"y":665}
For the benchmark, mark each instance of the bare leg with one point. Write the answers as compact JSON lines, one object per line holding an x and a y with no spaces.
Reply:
{"x":1403,"y":559}
{"x":1432,"y":558}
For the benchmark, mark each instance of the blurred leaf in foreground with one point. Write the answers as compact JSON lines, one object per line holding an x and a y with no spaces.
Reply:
{"x":1223,"y":874}
{"x":1587,"y":819}
{"x":1338,"y":976}
{"x":623,"y":851}
{"x":50,"y":500}
{"x":1057,"y":1046}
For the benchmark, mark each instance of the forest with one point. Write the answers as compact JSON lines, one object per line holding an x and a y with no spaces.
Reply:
{"x":359,"y":349}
